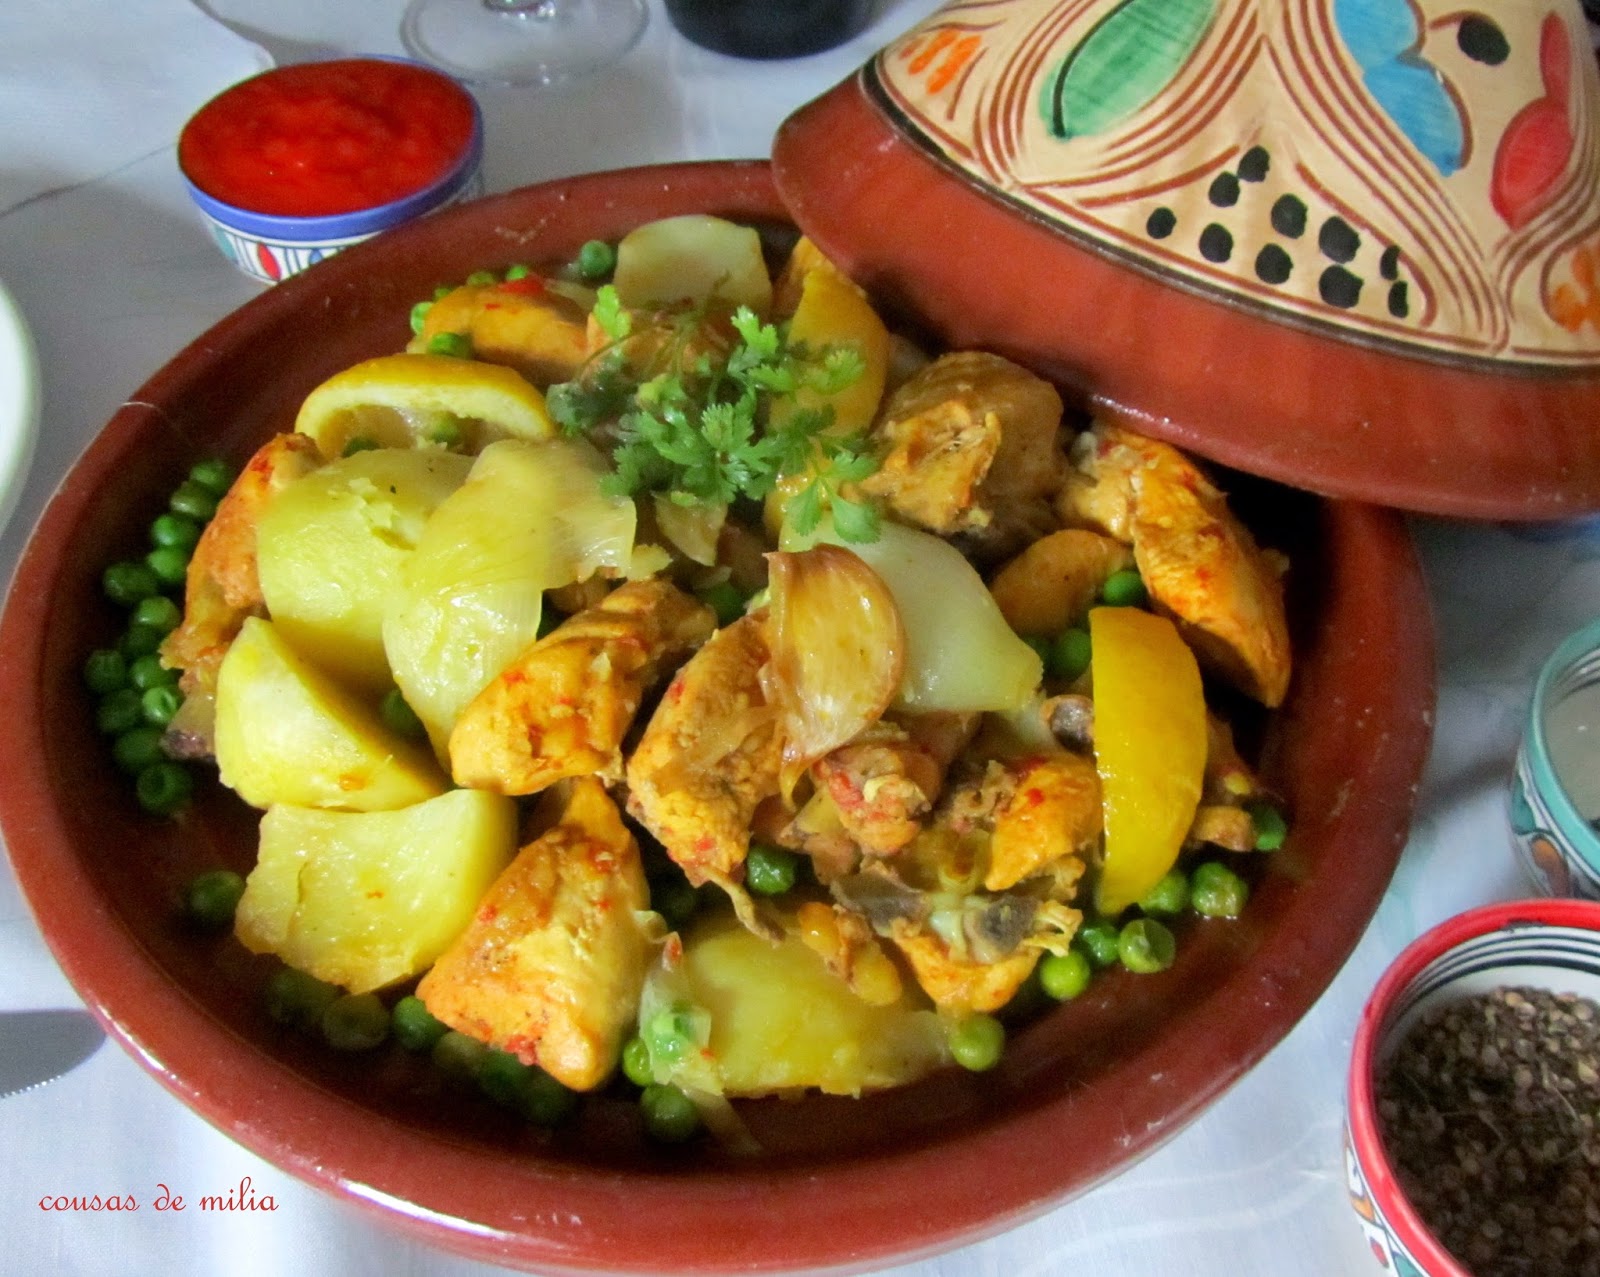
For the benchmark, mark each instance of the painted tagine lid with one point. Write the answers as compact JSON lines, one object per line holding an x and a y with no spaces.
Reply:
{"x":1352,"y":245}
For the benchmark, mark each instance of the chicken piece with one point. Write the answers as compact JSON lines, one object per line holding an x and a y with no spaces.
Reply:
{"x":563,"y":706}
{"x":846,"y":944}
{"x":552,"y":965}
{"x":521,"y":323}
{"x":674,"y":339}
{"x":1230,"y":828}
{"x":888,"y":778}
{"x":969,"y":447}
{"x":959,"y":985}
{"x":1030,"y":813}
{"x":710,"y":755}
{"x":222,"y":587}
{"x":1053,"y":582}
{"x":1200,"y":565}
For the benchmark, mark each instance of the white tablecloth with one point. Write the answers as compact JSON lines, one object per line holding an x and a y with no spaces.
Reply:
{"x":114,"y":275}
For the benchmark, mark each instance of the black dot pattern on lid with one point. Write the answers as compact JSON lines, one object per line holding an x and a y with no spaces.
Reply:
{"x":1482,"y":40}
{"x":1389,"y":263}
{"x":1339,"y":287}
{"x":1216,"y":243}
{"x":1289,"y":216}
{"x":1399,"y":300}
{"x":1161,"y":223}
{"x":1273,"y":265}
{"x":1337,"y":240}
{"x":1224,"y":192}
{"x":1253,"y":164}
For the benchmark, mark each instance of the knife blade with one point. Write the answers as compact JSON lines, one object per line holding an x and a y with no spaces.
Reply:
{"x":36,"y":1046}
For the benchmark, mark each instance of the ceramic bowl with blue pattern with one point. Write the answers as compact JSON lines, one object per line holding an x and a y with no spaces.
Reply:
{"x":290,"y":166}
{"x":1551,"y":944}
{"x":1555,"y":787}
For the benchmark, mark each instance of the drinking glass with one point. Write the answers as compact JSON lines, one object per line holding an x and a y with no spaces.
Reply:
{"x":521,"y":42}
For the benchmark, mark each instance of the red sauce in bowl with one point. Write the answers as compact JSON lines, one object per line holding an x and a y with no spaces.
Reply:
{"x":324,"y":138}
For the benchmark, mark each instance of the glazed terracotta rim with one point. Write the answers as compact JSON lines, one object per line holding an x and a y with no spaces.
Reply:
{"x":842,"y":1214}
{"x":1374,"y":1023}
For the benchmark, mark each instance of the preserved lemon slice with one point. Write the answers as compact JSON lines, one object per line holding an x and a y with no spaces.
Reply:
{"x":1149,"y":747}
{"x":403,"y":401}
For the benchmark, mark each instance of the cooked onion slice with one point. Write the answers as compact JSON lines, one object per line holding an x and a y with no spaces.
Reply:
{"x":838,"y":651}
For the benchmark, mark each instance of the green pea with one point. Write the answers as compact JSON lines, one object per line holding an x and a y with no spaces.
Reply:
{"x":1098,"y":942}
{"x":297,"y":999}
{"x":482,"y":278}
{"x":194,"y":500}
{"x":399,"y":717}
{"x":1217,"y":892}
{"x":596,"y":260}
{"x":1146,"y":946}
{"x":138,"y":641}
{"x":163,"y":787}
{"x":119,"y":711}
{"x":636,"y":1062}
{"x":447,"y":432}
{"x":1124,"y":589}
{"x":170,"y":563}
{"x":358,"y":443}
{"x":147,"y":671}
{"x":519,"y":271}
{"x":672,"y":896}
{"x":128,"y":582}
{"x":1170,"y":896}
{"x":213,"y":474}
{"x":355,"y":1022}
{"x":441,"y":292}
{"x":671,"y":1033}
{"x":212,"y":898}
{"x":158,"y":612}
{"x":175,"y":530}
{"x":543,"y":1100}
{"x":419,"y":316}
{"x":770,"y":871}
{"x":136,"y":748}
{"x":669,"y":1115}
{"x":1065,"y":975}
{"x":1270,"y":825}
{"x":159,"y":704}
{"x":456,"y":345}
{"x":457,"y":1055}
{"x":1068,"y":655}
{"x":106,"y":670}
{"x":977,"y":1042}
{"x":501,"y":1076}
{"x":726,"y":599}
{"x":414,"y":1026}
{"x":1039,"y":644}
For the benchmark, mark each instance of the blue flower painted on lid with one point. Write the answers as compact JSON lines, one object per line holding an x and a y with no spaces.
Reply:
{"x":1384,"y":37}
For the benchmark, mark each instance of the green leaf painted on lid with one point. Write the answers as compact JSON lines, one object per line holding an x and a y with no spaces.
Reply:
{"x":1127,"y":58}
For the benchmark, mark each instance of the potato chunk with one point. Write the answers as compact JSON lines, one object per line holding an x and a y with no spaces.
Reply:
{"x":367,"y":899}
{"x":331,"y":546}
{"x":552,"y":965}
{"x":693,"y":258}
{"x":288,"y":733}
{"x":779,"y":1020}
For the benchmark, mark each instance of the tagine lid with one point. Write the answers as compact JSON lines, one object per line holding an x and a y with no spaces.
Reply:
{"x":1351,"y":245}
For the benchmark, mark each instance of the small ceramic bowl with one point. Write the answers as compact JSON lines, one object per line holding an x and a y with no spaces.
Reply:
{"x":1555,"y":788}
{"x":292,"y":165}
{"x":1539,"y":944}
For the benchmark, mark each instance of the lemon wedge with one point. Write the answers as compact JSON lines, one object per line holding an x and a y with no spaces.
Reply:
{"x":406,"y":401}
{"x":1149,"y":748}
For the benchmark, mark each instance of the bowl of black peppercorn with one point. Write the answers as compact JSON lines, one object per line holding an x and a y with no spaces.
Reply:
{"x":1472,"y":1142}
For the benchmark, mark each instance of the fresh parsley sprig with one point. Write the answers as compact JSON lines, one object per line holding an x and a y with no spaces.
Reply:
{"x":703,"y":429}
